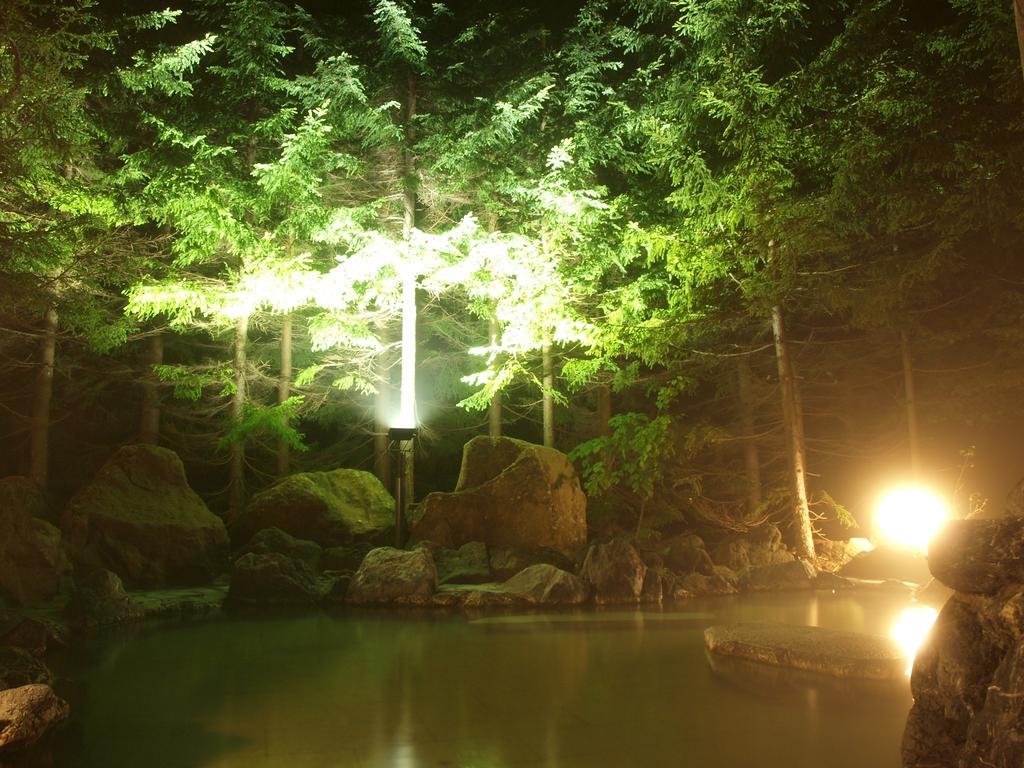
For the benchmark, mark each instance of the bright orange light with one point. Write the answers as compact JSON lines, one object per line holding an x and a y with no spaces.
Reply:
{"x":911,"y":630}
{"x":909,"y":517}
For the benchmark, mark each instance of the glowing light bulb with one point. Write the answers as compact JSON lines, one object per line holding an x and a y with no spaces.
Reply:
{"x":911,"y":630}
{"x":909,"y":517}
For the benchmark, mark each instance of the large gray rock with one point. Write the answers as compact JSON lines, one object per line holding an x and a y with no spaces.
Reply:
{"x":98,"y":599}
{"x":506,"y":562}
{"x":796,"y":574}
{"x":954,"y":682}
{"x":615,"y":572}
{"x":274,"y":540}
{"x":389,"y":575}
{"x":510,"y":493}
{"x":140,"y":519}
{"x":333,"y":509}
{"x":19,"y":667}
{"x":686,"y":554}
{"x":32,"y":561}
{"x":815,"y":649}
{"x":19,"y":492}
{"x":762,"y":546}
{"x":979,"y":556}
{"x":27,"y":714}
{"x":545,"y":584}
{"x":469,"y":564}
{"x":272,"y":578}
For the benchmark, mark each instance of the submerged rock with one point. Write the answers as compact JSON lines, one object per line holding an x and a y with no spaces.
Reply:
{"x":335,"y":508}
{"x":510,"y":493}
{"x":615,"y":572}
{"x":27,"y":714}
{"x":140,"y":519}
{"x":814,"y":649}
{"x":389,"y":575}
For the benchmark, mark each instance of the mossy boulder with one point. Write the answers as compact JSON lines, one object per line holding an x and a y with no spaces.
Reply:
{"x":140,"y":519}
{"x":32,"y":561}
{"x":389,"y":575}
{"x":615,"y":572}
{"x":330,"y":508}
{"x":510,"y":493}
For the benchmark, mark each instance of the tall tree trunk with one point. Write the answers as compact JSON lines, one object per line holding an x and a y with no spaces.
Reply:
{"x":494,"y":409}
{"x":1018,"y":17}
{"x":236,"y":466}
{"x":149,"y":423}
{"x":547,"y":401}
{"x":792,"y":421}
{"x":748,"y":426}
{"x":284,"y":388}
{"x":604,"y":409}
{"x":39,"y":429}
{"x":910,"y":400}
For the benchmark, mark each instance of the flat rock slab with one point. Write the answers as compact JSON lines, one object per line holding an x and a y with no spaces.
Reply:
{"x":814,"y":649}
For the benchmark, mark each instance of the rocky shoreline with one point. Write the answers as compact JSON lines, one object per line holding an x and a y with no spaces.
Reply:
{"x":137,"y":544}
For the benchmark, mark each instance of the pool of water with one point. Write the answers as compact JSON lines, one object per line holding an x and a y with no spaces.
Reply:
{"x":374,"y":690}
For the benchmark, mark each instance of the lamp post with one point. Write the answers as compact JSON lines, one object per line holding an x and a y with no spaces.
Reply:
{"x":400,"y":445}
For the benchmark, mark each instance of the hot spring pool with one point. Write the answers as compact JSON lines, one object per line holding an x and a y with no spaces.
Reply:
{"x":374,"y":690}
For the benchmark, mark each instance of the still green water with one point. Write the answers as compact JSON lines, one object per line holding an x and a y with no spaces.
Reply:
{"x":373,"y":690}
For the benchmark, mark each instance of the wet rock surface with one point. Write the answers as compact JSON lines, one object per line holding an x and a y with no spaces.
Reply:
{"x":469,"y":564}
{"x":98,"y":599}
{"x":762,"y":546}
{"x":389,"y":575}
{"x":814,"y":649}
{"x":795,"y":574}
{"x":510,"y":493}
{"x":615,"y":572}
{"x":32,"y":561}
{"x":140,"y":519}
{"x":19,"y":667}
{"x":27,"y":714}
{"x":333,"y":509}
{"x":968,"y":678}
{"x":979,"y":557}
{"x":272,"y":578}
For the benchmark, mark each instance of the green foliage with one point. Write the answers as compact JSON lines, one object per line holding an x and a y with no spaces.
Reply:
{"x":274,"y":422}
{"x":189,"y":383}
{"x":633,"y":455}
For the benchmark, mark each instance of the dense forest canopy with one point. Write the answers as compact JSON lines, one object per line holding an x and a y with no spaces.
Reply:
{"x":739,"y":257}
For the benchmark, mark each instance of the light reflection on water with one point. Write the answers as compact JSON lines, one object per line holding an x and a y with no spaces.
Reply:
{"x":371,"y":690}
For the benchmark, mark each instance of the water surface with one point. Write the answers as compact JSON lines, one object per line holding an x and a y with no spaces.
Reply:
{"x":373,"y":690}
